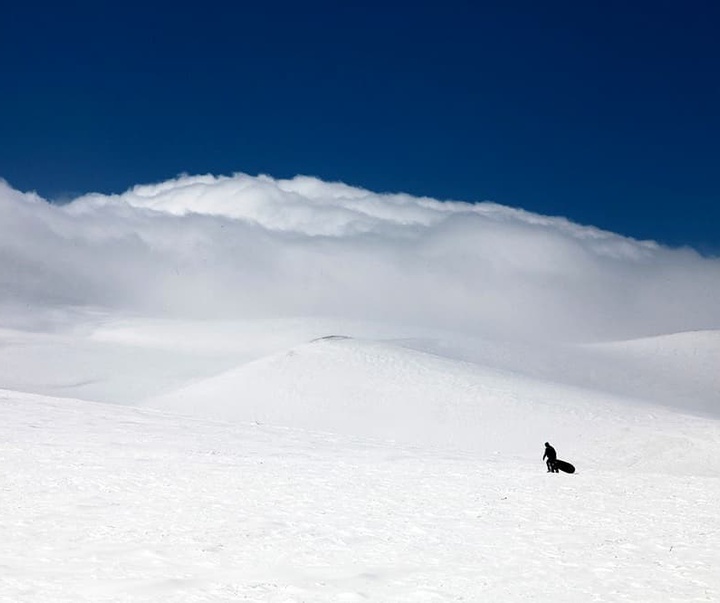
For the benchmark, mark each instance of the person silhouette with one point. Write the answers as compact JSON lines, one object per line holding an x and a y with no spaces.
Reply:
{"x":551,"y":457}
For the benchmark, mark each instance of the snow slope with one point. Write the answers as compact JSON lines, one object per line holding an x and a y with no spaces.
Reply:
{"x":274,"y":463}
{"x":377,"y":390}
{"x":127,"y":360}
{"x":678,"y":370}
{"x":109,"y":503}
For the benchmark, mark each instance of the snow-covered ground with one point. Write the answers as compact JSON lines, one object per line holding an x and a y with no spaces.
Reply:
{"x":271,"y":463}
{"x":108,"y":503}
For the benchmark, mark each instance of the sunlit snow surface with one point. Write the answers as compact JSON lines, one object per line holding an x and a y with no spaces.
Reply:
{"x":386,"y":464}
{"x":108,"y":503}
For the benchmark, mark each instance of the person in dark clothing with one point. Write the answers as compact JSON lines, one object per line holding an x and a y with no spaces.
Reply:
{"x":551,"y":457}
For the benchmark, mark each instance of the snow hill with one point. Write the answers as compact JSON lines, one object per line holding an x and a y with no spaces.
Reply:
{"x":128,"y":360}
{"x":377,"y":390}
{"x":330,"y":460}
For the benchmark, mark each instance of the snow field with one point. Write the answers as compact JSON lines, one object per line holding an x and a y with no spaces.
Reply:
{"x":107,"y":503}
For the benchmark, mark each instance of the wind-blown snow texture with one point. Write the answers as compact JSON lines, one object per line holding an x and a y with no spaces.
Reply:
{"x":108,"y":503}
{"x":244,"y":389}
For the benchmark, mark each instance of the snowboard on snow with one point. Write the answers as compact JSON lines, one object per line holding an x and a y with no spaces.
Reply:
{"x":564,"y":466}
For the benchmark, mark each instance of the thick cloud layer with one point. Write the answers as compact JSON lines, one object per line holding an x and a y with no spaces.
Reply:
{"x":242,"y":246}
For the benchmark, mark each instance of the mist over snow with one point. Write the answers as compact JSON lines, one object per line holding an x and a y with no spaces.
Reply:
{"x":241,"y":247}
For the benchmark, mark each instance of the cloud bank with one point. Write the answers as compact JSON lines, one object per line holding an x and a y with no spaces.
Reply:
{"x":242,"y":247}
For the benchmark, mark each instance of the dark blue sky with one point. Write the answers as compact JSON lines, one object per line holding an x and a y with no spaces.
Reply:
{"x":605,"y":112}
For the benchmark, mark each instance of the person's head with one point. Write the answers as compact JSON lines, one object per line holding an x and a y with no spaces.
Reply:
{"x":547,"y":444}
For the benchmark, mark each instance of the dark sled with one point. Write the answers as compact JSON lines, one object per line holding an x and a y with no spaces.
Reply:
{"x":565,"y":466}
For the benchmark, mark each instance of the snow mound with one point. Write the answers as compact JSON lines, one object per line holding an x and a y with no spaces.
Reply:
{"x":380,"y":391}
{"x":676,"y":370}
{"x":679,"y":369}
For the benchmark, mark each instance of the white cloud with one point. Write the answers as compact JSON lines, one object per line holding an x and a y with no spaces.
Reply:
{"x":240,"y":246}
